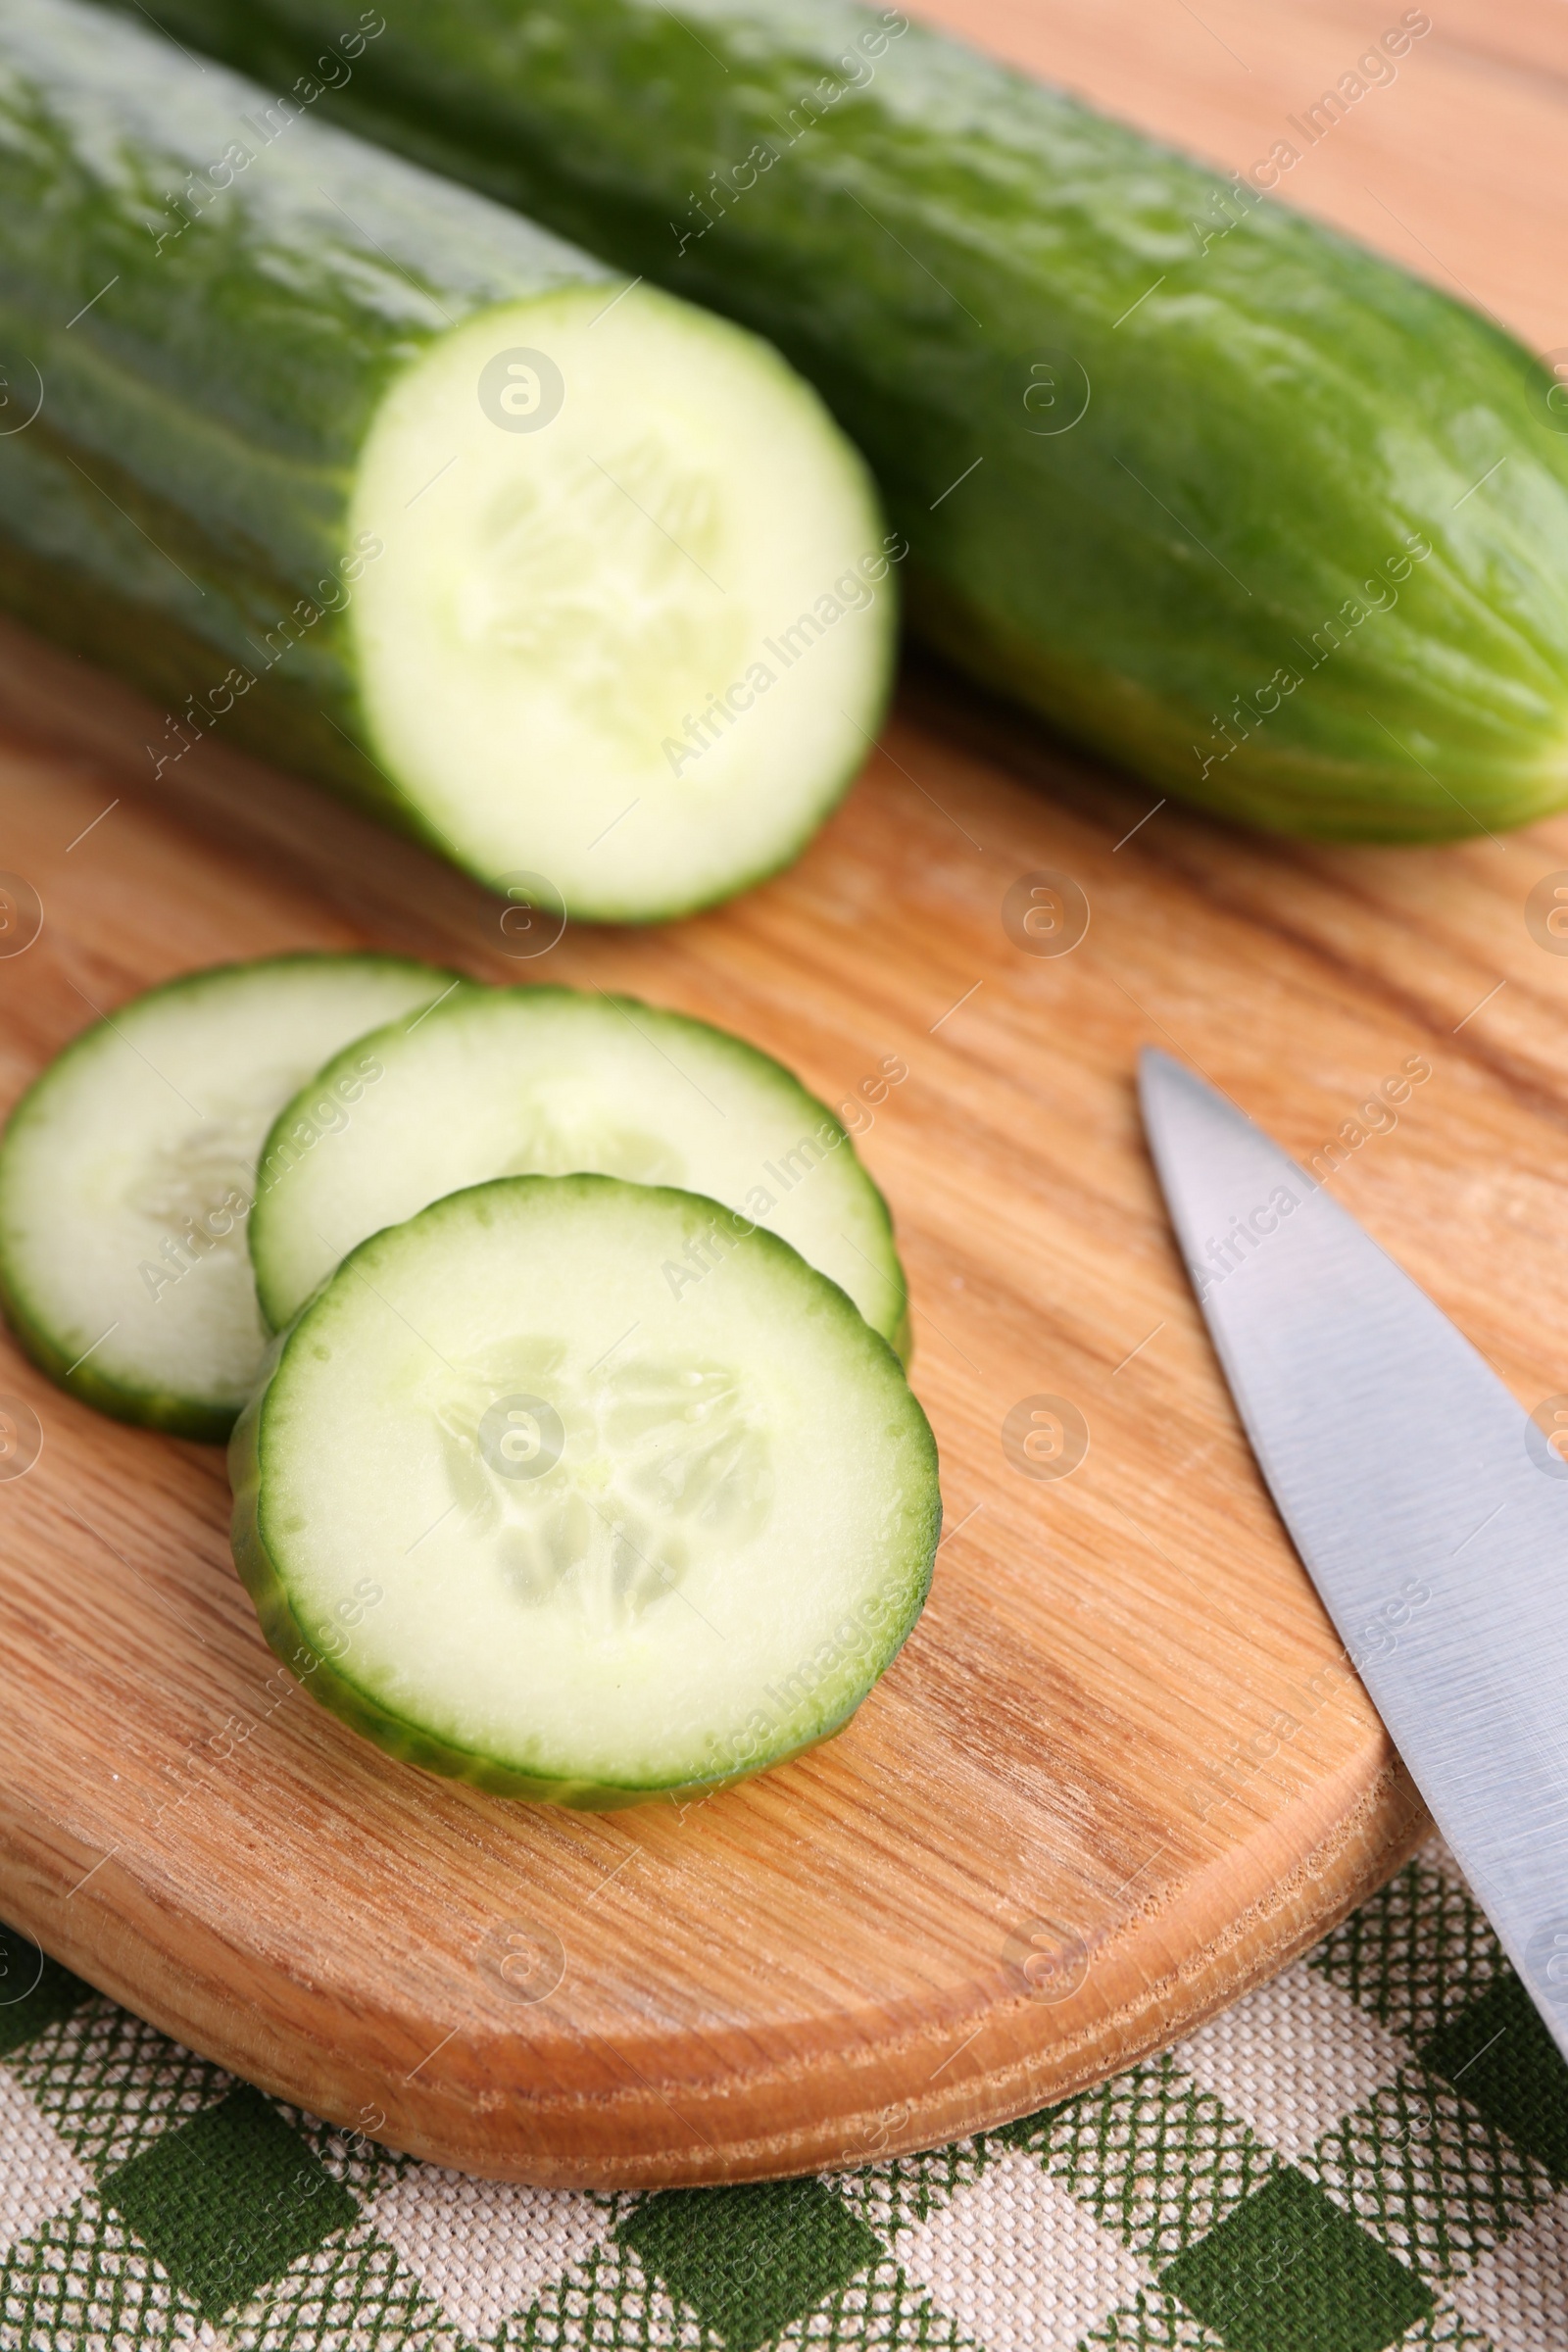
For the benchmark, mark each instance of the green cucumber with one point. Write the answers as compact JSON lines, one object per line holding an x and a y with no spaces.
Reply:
{"x":1228,"y":496}
{"x":129,"y":1169}
{"x":548,"y":1081}
{"x":361,"y":470}
{"x":523,"y":1517}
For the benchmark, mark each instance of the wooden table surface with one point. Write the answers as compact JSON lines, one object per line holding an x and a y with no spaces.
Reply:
{"x":1122,"y":1741}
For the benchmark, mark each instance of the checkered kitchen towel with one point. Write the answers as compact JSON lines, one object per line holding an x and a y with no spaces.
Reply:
{"x":1372,"y":2151}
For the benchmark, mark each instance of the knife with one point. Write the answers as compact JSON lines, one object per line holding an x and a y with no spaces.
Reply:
{"x":1429,"y":1510}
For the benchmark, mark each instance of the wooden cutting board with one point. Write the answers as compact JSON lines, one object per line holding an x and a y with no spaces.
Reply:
{"x":1121,"y":1772}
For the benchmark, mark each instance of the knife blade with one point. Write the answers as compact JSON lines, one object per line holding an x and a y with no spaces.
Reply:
{"x":1429,"y":1510}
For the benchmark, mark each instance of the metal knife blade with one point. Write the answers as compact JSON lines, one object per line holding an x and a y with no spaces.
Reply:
{"x":1430,"y":1511}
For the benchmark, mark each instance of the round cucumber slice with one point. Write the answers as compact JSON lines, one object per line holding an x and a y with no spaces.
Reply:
{"x":524,"y":1517}
{"x":545,"y":1080}
{"x":127,"y":1172}
{"x":632,"y":627}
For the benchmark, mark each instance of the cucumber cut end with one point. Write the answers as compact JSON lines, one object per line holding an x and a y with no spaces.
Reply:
{"x":524,"y":1518}
{"x":628,"y":627}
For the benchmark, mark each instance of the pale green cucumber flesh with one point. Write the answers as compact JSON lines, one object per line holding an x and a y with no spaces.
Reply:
{"x":640,"y":652}
{"x":127,"y":1172}
{"x":546,"y":1081}
{"x":525,"y":1518}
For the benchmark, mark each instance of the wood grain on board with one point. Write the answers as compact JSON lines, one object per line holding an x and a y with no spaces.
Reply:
{"x":1121,"y":1742}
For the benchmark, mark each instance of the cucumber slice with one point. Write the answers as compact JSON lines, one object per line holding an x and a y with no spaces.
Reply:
{"x":576,"y":582}
{"x":544,"y":1081}
{"x":523,"y":1517}
{"x":127,"y":1169}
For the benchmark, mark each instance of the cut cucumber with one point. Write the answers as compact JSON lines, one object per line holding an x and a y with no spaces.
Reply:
{"x":1235,"y":500}
{"x":524,"y":1517}
{"x":128,"y":1171}
{"x":546,"y":1081}
{"x":575,"y":581}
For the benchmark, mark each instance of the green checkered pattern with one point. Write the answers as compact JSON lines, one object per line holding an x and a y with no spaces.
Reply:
{"x":1372,"y":2151}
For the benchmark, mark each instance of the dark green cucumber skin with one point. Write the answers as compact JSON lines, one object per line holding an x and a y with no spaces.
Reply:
{"x":177,"y":507}
{"x":1279,"y":416}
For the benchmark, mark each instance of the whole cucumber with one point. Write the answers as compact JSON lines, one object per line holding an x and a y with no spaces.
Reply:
{"x":1228,"y":496}
{"x":363,"y":469}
